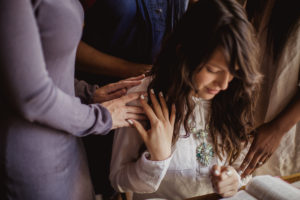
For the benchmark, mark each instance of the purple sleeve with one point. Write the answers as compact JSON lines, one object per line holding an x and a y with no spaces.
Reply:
{"x":25,"y":81}
{"x":85,"y":91}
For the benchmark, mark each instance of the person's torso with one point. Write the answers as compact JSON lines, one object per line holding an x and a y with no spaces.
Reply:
{"x":131,"y":29}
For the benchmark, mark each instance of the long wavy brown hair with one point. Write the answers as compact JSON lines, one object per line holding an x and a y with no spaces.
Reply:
{"x":208,"y":25}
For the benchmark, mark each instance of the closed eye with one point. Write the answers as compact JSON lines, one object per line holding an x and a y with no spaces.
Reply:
{"x":212,"y":69}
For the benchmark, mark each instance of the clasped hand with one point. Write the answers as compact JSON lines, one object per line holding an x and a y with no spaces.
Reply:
{"x":225,"y":180}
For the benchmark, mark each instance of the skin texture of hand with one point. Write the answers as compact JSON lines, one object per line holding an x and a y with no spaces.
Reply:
{"x":268,"y":136}
{"x":115,"y":90}
{"x":225,"y":180}
{"x":266,"y":140}
{"x":120,"y":112}
{"x":158,"y":138}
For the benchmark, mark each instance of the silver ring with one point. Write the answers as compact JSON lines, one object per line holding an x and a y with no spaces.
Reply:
{"x":260,"y":163}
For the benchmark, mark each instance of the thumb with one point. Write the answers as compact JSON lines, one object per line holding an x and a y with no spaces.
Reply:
{"x":216,"y":170}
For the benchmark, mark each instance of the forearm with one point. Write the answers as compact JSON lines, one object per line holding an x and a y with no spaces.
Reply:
{"x":289,"y":116}
{"x":127,"y":173}
{"x":91,"y":60}
{"x":142,"y":176}
{"x":26,"y":84}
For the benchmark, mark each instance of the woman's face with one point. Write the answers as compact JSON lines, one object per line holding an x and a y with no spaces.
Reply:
{"x":213,"y":77}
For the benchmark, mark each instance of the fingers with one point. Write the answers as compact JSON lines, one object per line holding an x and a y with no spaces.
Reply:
{"x":124,"y":84}
{"x":227,"y":182}
{"x":216,"y":170}
{"x":130,"y":97}
{"x":156,"y":106}
{"x":135,"y":116}
{"x":173,"y":115}
{"x":116,"y":94}
{"x":135,"y":110}
{"x":265,"y":158}
{"x":252,"y":165}
{"x":164,"y":106}
{"x":136,"y":78}
{"x":139,"y":127}
{"x":148,"y":110}
{"x":247,"y":159}
{"x":129,"y":84}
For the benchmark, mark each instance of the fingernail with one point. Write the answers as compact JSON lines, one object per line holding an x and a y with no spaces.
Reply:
{"x":161,"y":94}
{"x":152,"y":91}
{"x":142,"y":96}
{"x":217,"y":172}
{"x":130,"y":121}
{"x":228,"y":172}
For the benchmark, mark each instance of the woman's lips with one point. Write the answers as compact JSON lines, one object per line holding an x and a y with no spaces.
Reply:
{"x":212,"y":91}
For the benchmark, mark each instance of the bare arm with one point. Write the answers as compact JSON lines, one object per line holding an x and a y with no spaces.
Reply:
{"x":91,"y":60}
{"x":268,"y":136}
{"x":289,"y":116}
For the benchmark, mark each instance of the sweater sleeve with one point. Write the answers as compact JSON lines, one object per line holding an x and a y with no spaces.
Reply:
{"x":26,"y":85}
{"x":130,"y":170}
{"x":85,"y":91}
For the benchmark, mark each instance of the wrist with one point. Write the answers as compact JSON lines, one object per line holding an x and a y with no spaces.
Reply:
{"x":160,"y":157}
{"x":278,"y":128}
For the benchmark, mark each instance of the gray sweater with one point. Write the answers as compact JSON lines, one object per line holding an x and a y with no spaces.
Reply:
{"x":41,"y":155}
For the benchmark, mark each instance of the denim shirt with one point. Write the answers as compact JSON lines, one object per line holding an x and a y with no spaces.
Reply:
{"x":131,"y":29}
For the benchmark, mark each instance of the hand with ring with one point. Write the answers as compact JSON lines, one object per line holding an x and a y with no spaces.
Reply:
{"x":158,"y":139}
{"x":266,"y":140}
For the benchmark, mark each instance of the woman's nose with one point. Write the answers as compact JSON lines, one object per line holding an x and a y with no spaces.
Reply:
{"x":224,"y":80}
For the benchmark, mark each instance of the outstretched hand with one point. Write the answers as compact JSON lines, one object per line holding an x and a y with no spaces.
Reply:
{"x":266,"y":141}
{"x":158,"y":138}
{"x":120,"y":112}
{"x":116,"y":90}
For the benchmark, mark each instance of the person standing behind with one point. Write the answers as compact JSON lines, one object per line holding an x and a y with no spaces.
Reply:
{"x":41,"y":121}
{"x":126,"y":44}
{"x":276,"y":146}
{"x":121,"y":38}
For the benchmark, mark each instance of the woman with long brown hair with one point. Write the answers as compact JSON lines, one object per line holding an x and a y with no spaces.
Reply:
{"x":206,"y":71}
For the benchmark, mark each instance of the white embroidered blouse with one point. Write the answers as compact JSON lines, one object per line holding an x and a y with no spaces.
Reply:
{"x":178,"y":177}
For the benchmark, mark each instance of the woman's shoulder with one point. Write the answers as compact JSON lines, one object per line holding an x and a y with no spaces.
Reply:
{"x":142,"y":87}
